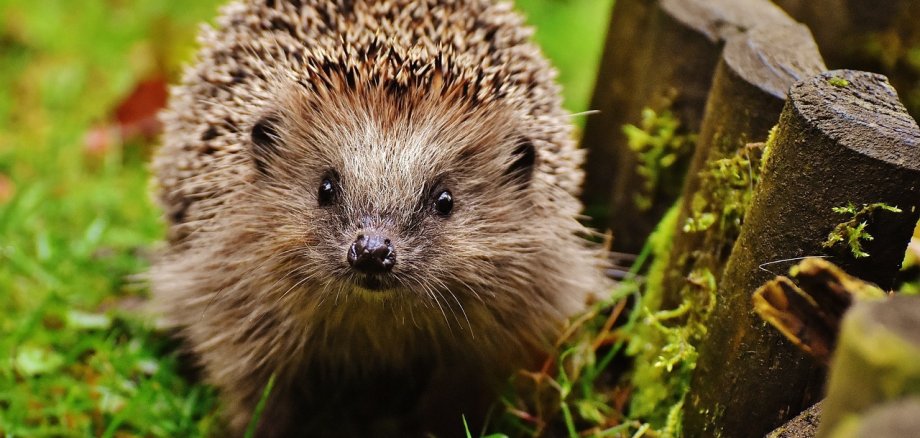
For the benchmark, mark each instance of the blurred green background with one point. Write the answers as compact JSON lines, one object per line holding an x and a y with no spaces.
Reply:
{"x":79,"y":80}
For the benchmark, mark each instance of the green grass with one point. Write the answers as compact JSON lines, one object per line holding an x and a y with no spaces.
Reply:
{"x":76,"y":228}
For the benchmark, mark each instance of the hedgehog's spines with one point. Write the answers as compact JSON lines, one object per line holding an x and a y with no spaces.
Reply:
{"x":397,"y":96}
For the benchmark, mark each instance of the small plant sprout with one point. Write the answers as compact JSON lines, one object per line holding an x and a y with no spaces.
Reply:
{"x":658,"y":145}
{"x":853,"y":232}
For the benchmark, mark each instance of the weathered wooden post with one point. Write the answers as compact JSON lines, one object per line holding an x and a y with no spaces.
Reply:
{"x":658,"y":55}
{"x":877,"y":360}
{"x":844,"y":155}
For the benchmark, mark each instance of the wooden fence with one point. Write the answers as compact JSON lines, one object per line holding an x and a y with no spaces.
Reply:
{"x":688,"y":91}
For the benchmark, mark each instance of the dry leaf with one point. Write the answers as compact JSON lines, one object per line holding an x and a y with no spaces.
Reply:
{"x":135,"y":118}
{"x":809,"y":314}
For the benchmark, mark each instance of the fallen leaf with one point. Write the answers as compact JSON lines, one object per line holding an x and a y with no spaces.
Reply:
{"x":809,"y":313}
{"x":795,"y":314}
{"x":135,"y":118}
{"x":137,"y":114}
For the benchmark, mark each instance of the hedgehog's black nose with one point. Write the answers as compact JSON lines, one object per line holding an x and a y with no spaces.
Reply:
{"x":372,"y":254}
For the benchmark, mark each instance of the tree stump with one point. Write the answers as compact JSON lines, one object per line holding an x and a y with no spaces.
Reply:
{"x":845,"y":151}
{"x":658,"y":55}
{"x":877,"y":360}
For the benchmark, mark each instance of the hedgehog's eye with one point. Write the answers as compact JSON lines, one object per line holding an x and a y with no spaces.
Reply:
{"x":444,"y":203}
{"x":326,"y":192}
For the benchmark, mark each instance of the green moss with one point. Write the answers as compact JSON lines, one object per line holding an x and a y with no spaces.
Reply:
{"x":726,"y":188}
{"x":660,"y":243}
{"x":699,"y":222}
{"x":768,"y":148}
{"x":658,"y":145}
{"x":665,"y":357}
{"x":853,"y":231}
{"x":663,"y":342}
{"x":838,"y":82}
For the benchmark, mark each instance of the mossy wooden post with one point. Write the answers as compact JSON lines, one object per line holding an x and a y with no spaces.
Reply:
{"x":877,"y":360}
{"x":660,"y":55}
{"x":748,"y":92}
{"x":878,"y":36}
{"x":843,"y":138}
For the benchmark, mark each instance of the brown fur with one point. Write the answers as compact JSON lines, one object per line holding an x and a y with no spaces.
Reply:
{"x":398,"y":98}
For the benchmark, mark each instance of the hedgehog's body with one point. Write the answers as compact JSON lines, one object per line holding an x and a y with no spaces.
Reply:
{"x":369,"y":198}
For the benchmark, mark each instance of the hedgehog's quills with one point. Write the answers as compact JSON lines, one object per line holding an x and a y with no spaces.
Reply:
{"x":376,"y":202}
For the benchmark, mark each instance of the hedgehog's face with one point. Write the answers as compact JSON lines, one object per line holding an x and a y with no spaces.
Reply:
{"x":389,"y":198}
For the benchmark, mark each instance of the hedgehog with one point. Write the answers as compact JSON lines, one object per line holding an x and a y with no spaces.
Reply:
{"x":375,"y":204}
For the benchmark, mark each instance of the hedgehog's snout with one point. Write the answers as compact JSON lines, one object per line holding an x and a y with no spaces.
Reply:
{"x":372,"y":254}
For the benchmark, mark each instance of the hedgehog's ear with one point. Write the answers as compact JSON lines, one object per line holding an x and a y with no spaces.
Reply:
{"x":265,"y":141}
{"x":524,"y":159}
